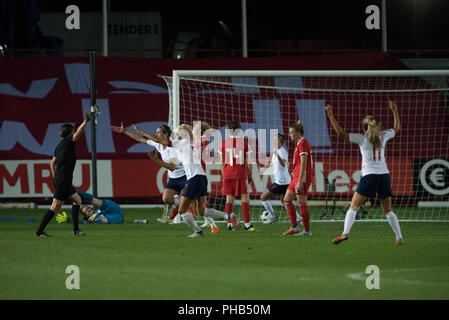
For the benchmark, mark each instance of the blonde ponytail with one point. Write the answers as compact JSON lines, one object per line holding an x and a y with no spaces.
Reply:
{"x":372,"y":131}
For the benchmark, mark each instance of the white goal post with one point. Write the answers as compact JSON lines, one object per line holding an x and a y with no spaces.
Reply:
{"x":275,"y":98}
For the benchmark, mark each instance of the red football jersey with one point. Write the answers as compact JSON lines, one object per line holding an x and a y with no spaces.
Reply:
{"x":303,"y":147}
{"x":234,"y":151}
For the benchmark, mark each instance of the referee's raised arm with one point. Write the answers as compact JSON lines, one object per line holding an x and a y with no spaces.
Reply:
{"x":81,"y":128}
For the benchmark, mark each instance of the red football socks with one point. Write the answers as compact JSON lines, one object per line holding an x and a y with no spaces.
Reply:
{"x":173,"y":213}
{"x":305,"y":215}
{"x":291,"y":210}
{"x":229,"y":208}
{"x":245,"y":212}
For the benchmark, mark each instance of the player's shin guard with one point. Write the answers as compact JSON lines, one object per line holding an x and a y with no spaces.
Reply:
{"x":291,"y":210}
{"x":75,"y":217}
{"x":176,"y":201}
{"x":267,"y":205}
{"x":188,"y":219}
{"x":211,"y":221}
{"x":298,"y":217}
{"x":45,"y":220}
{"x":229,"y":208}
{"x":394,"y":224}
{"x":349,"y":221}
{"x":245,"y":212}
{"x":213,"y":213}
{"x":305,"y":216}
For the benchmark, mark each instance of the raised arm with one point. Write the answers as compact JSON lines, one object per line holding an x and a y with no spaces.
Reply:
{"x":130,"y":134}
{"x":397,"y":123}
{"x":334,"y":123}
{"x":81,"y":128}
{"x":152,"y":137}
{"x":144,"y":133}
{"x":170,"y":166}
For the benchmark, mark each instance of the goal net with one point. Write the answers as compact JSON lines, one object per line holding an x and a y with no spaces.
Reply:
{"x":267,"y":102}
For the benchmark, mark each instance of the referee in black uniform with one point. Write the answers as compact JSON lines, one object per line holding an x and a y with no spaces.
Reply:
{"x":62,"y":166}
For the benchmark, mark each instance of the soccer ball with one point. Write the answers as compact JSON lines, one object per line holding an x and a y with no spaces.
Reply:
{"x":265,"y":217}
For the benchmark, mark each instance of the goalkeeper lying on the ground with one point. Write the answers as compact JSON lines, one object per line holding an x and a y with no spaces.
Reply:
{"x":108,"y":211}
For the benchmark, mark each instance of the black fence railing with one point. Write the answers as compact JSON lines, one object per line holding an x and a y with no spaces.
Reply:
{"x":212,"y":53}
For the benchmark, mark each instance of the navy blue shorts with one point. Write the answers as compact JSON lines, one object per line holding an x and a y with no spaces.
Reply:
{"x":278,"y":188}
{"x":176,"y":184}
{"x":195,"y":187}
{"x":371,"y":184}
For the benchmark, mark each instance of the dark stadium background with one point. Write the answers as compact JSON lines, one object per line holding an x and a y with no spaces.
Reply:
{"x":287,"y":25}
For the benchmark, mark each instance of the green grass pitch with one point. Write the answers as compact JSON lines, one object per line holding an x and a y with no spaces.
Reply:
{"x":156,"y":261}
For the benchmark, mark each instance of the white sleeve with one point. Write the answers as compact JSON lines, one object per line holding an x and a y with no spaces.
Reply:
{"x":388,"y":134}
{"x":283,"y":154}
{"x":356,"y":138}
{"x":152,"y":143}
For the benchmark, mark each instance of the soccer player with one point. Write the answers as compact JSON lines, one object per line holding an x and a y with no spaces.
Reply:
{"x":108,"y":212}
{"x":62,"y":166}
{"x":171,"y":166}
{"x":204,"y":141}
{"x":177,"y":177}
{"x":282,"y":177}
{"x":375,"y":174}
{"x":236,"y":174}
{"x":172,"y":163}
{"x":302,"y":179}
{"x":196,"y":187}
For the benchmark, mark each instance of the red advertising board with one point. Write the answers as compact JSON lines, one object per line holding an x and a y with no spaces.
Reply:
{"x":142,"y":178}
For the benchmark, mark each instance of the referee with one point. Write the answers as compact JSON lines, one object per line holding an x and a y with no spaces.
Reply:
{"x":62,"y":166}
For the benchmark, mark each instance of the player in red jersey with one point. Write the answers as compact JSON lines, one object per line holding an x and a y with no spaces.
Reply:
{"x":302,"y":179}
{"x":236,"y":173}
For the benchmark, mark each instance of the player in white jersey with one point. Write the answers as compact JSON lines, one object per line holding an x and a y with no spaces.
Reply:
{"x":189,"y":154}
{"x":281,"y":175}
{"x":177,"y":177}
{"x":375,"y":175}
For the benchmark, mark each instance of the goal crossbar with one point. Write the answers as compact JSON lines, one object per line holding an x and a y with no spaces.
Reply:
{"x":313,"y":73}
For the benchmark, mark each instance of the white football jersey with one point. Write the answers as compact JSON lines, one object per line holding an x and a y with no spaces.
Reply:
{"x":167,"y":154}
{"x":189,"y":156}
{"x":373,"y":161}
{"x":281,"y":174}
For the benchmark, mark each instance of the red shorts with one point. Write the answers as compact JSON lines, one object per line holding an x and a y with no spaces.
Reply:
{"x":235,"y":187}
{"x":306,"y":185}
